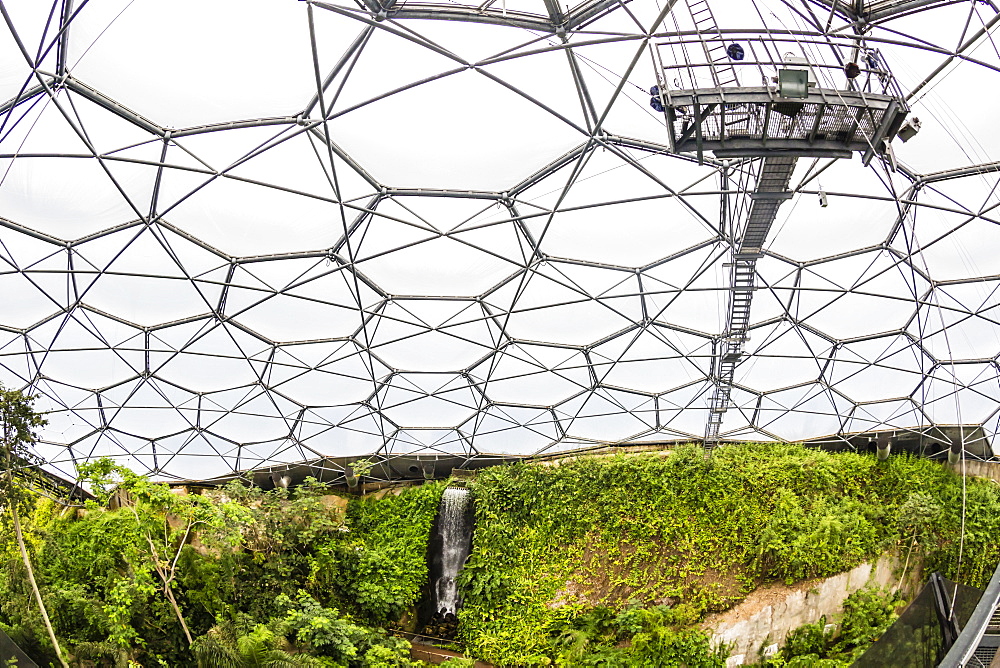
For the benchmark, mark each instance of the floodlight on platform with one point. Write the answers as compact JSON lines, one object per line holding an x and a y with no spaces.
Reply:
{"x":793,"y":84}
{"x":798,"y":62}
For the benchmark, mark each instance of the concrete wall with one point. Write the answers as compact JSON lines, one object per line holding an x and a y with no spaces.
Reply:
{"x":989,"y":470}
{"x":771,"y":611}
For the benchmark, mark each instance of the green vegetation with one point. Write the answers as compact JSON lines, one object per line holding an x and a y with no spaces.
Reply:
{"x":239,"y":577}
{"x":635,"y":637}
{"x":608,"y":562}
{"x":19,"y":421}
{"x":552,"y":543}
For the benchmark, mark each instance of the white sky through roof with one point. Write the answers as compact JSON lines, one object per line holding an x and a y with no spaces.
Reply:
{"x":242,"y":234}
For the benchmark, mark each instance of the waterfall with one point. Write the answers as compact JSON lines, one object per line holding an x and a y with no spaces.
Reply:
{"x":454,"y":530}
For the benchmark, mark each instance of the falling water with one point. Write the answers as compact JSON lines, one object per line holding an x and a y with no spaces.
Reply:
{"x":454,"y":525}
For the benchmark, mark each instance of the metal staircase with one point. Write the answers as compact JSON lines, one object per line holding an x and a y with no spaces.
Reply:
{"x":712,"y":42}
{"x":988,"y":651}
{"x":979,"y":640}
{"x":770,"y":190}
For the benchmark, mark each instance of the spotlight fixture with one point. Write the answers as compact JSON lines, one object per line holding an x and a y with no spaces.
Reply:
{"x":793,"y":84}
{"x":909,"y":130}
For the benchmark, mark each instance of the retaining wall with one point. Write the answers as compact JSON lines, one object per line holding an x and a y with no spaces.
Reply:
{"x":771,"y":611}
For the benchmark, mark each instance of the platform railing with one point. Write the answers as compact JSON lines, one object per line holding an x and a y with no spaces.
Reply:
{"x":759,"y":55}
{"x":792,"y":94}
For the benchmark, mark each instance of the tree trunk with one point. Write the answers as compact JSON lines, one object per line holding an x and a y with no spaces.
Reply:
{"x":31,"y":577}
{"x":166,"y":584}
{"x":18,"y":421}
{"x":173,"y":602}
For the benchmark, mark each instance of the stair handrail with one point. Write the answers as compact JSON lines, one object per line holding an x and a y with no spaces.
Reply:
{"x":969,"y":638}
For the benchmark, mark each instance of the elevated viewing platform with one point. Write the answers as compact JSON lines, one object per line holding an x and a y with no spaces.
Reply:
{"x":767,"y":98}
{"x":752,"y":95}
{"x":742,"y":122}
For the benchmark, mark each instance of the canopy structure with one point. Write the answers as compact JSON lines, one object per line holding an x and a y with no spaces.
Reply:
{"x":246,"y":234}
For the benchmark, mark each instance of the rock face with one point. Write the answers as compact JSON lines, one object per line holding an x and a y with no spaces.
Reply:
{"x":766,"y":616}
{"x":336,"y":504}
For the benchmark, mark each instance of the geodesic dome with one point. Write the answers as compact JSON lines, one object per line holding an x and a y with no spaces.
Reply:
{"x":245,"y":234}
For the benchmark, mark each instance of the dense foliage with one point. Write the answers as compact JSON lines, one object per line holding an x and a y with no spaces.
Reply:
{"x":636,"y":637}
{"x":609,"y":561}
{"x":698,"y":533}
{"x":232,"y":578}
{"x":18,"y":422}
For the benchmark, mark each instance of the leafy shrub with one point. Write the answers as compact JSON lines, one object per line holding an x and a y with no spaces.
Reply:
{"x":321,"y":630}
{"x":456,"y":662}
{"x":808,"y":640}
{"x":661,"y":645}
{"x":383,"y":563}
{"x":867,"y":614}
{"x":804,"y":540}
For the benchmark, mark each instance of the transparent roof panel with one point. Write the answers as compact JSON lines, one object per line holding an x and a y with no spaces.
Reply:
{"x":211,"y":76}
{"x":339,"y":230}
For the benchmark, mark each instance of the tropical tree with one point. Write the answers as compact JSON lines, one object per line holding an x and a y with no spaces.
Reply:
{"x":19,"y":424}
{"x":164,"y":522}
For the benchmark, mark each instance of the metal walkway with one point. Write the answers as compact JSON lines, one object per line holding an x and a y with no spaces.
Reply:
{"x":988,"y":650}
{"x":769,"y":192}
{"x":739,"y":94}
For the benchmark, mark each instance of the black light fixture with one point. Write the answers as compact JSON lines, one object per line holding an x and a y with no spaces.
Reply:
{"x":735,"y":51}
{"x":654,"y":100}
